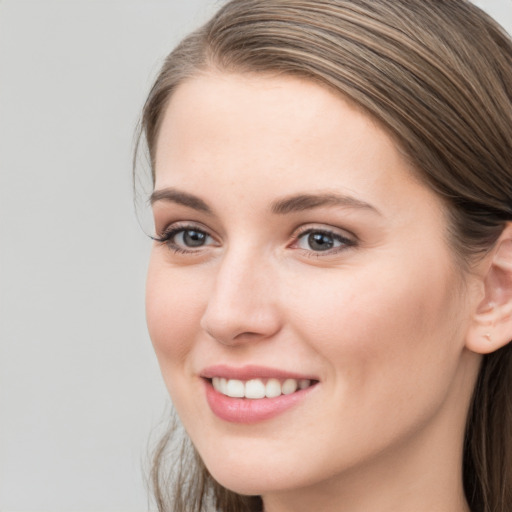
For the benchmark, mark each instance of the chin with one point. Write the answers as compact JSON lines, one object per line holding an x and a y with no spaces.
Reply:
{"x":250,"y":483}
{"x":256,"y":475}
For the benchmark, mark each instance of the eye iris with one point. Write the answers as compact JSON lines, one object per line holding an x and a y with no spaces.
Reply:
{"x":193,"y":238}
{"x":320,"y":241}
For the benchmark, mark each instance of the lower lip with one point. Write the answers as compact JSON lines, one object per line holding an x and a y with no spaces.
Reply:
{"x":246,"y":410}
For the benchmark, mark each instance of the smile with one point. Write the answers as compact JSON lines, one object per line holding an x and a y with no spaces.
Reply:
{"x":253,"y":393}
{"x":258,"y":388}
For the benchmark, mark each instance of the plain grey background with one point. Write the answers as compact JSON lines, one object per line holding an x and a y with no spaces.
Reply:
{"x":80,"y":390}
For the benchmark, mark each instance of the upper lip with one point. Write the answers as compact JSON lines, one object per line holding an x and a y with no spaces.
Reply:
{"x":251,"y":372}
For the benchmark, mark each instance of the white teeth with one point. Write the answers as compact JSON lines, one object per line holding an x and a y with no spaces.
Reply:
{"x":235,"y":388}
{"x":304,"y":383}
{"x":257,"y":388}
{"x":220,"y":384}
{"x":254,"y":389}
{"x":273,"y":388}
{"x":289,"y":386}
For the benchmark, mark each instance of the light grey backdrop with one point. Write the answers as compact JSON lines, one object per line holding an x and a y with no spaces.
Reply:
{"x":80,"y":391}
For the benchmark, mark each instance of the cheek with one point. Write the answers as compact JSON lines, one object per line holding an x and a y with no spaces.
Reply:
{"x":174,"y":307}
{"x":383,"y":327}
{"x":173,"y":311}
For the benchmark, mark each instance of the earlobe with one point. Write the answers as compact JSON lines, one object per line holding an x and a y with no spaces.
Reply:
{"x":491,"y":327}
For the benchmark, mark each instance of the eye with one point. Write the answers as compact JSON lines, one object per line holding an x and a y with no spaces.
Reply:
{"x":185,"y":238}
{"x":190,"y":238}
{"x":318,"y":240}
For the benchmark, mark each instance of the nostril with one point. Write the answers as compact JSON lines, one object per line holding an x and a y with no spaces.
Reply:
{"x":248,"y":335}
{"x":231,"y":331}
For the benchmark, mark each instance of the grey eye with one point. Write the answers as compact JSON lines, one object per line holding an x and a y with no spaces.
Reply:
{"x":191,"y":238}
{"x":322,"y":241}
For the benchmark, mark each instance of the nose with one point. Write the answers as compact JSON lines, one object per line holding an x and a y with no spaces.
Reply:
{"x":243,"y":304}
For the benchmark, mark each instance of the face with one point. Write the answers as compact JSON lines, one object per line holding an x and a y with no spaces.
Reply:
{"x":303,"y":270}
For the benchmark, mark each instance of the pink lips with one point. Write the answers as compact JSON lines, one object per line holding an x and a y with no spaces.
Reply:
{"x":244,"y":410}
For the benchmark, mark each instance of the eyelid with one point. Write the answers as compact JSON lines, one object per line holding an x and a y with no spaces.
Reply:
{"x":324,"y":228}
{"x":179,"y":225}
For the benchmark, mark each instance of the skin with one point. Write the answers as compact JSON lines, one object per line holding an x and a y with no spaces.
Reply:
{"x":381,"y":321}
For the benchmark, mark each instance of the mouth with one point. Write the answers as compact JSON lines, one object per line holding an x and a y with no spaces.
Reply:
{"x":253,"y":394}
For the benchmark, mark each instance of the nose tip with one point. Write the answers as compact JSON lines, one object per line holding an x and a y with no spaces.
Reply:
{"x":242,"y":307}
{"x":230,"y":327}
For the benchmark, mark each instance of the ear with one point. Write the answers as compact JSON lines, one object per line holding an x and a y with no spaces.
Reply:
{"x":491,"y":326}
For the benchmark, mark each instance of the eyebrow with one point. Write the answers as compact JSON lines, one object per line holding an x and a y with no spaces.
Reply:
{"x":295,"y":203}
{"x":177,"y":196}
{"x":302,"y":202}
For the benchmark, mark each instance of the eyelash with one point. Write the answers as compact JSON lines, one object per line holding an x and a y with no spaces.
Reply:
{"x":169,"y":233}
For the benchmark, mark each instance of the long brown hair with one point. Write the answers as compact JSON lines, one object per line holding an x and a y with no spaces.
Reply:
{"x":437,"y":74}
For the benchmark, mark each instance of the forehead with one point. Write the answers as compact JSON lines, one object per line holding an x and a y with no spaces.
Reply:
{"x":291,"y":134}
{"x":260,"y":117}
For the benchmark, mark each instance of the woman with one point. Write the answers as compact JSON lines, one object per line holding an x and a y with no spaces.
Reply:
{"x":330,"y":289}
